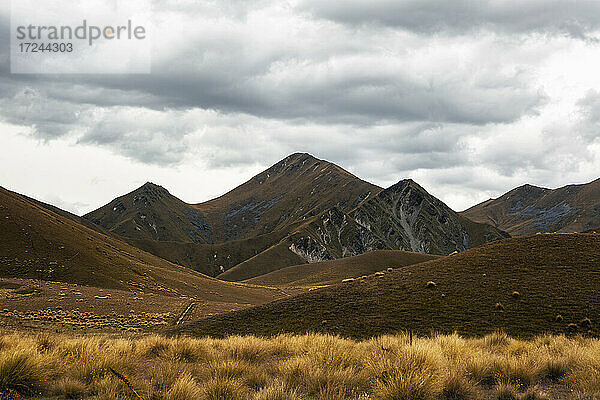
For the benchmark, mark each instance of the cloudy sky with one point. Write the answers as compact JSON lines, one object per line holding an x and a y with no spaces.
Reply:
{"x":469,"y":98}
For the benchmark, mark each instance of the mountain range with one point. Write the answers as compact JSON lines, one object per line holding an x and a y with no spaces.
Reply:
{"x":530,"y":209}
{"x":307,"y":246}
{"x":300,"y":210}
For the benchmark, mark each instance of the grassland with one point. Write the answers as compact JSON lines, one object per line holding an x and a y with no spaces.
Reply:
{"x":524,"y":286}
{"x":305,"y":367}
{"x":335,"y":271}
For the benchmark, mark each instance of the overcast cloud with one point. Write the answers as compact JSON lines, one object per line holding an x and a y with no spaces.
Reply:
{"x":470,"y":98}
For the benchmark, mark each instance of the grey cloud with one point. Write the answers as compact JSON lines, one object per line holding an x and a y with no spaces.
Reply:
{"x":574,"y":18}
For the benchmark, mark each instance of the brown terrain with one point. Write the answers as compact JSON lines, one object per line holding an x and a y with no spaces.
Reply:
{"x":530,"y":209}
{"x":524,"y":286}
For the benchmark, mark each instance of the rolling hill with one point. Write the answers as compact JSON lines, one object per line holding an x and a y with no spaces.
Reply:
{"x":38,"y":243}
{"x":334,"y":271}
{"x":524,"y":286}
{"x":530,"y":209}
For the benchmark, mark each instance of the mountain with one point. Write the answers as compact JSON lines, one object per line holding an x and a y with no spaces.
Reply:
{"x":530,"y":209}
{"x":402,"y":217}
{"x":151,"y":212}
{"x":524,"y":286}
{"x":214,"y":236}
{"x":406,"y":217}
{"x":334,"y":271}
{"x":38,"y":243}
{"x":282,"y":197}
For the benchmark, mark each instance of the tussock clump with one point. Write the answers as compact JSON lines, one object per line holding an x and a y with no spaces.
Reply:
{"x":277,"y":391}
{"x":431,"y":284}
{"x":189,"y":350}
{"x":506,"y":391}
{"x":499,"y":306}
{"x":223,"y":389}
{"x":238,"y":370}
{"x":153,"y":346}
{"x":515,"y":295}
{"x":496,"y":339}
{"x":413,"y":385}
{"x":456,"y":386}
{"x":21,"y":370}
{"x":70,"y":388}
{"x":184,"y":388}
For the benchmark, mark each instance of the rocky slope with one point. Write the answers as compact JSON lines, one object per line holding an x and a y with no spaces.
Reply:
{"x":151,"y":212}
{"x":530,"y":209}
{"x":282,"y":197}
{"x":402,"y":217}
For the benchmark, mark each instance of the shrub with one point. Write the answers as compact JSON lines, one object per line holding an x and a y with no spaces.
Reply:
{"x":572,"y":328}
{"x":558,"y":318}
{"x":499,"y":306}
{"x":585,"y":323}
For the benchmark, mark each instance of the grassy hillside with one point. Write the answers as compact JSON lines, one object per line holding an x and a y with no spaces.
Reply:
{"x":298,"y":368}
{"x":529,"y":209}
{"x":40,"y":244}
{"x":334,"y":271}
{"x":520,"y":285}
{"x":209,"y":259}
{"x":272,"y":259}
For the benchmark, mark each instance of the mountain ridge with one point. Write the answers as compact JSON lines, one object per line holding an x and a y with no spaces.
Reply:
{"x":529,"y":209}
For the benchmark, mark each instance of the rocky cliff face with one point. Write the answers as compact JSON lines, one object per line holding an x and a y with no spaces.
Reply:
{"x":333,"y":234}
{"x":406,"y":217}
{"x":402,"y":217}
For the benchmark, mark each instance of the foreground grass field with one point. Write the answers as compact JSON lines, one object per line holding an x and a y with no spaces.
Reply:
{"x":298,"y":367}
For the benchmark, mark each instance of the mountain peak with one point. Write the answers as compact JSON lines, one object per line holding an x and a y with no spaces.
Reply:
{"x":152,"y":189}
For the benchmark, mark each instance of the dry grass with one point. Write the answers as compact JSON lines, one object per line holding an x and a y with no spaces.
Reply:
{"x":288,"y":367}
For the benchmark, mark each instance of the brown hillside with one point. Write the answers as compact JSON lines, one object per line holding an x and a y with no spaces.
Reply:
{"x":529,"y":209}
{"x":39,"y":244}
{"x":334,"y":271}
{"x":471,"y":293}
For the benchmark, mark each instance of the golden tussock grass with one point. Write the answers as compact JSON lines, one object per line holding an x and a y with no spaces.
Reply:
{"x":303,"y":367}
